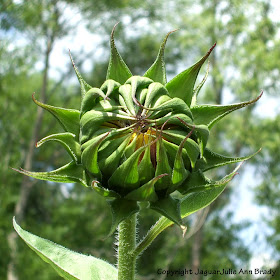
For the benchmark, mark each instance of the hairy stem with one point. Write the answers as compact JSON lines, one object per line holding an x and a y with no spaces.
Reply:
{"x":127,"y":243}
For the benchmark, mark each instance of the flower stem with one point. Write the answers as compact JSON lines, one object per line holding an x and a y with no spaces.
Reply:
{"x":127,"y":243}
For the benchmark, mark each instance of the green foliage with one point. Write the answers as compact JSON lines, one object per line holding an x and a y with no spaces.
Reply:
{"x":68,"y":264}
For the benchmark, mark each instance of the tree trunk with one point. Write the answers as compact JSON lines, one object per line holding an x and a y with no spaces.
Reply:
{"x":26,"y":185}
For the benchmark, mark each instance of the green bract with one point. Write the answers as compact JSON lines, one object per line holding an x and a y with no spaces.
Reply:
{"x":140,"y":138}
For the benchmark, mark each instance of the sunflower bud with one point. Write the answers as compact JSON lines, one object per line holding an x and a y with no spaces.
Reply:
{"x":140,"y":138}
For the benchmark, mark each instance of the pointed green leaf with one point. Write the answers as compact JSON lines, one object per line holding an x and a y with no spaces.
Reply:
{"x":198,"y":88}
{"x":89,"y":155}
{"x":117,"y":69}
{"x":121,"y":209}
{"x":131,"y":147}
{"x":108,"y":164}
{"x":84,"y":86}
{"x":137,"y":84}
{"x":155,"y":90}
{"x":190,"y":204}
{"x":202,"y":133}
{"x":142,"y":95}
{"x":174,"y":118}
{"x":123,"y":104}
{"x":196,"y":180}
{"x":113,"y":141}
{"x":125,"y":92}
{"x":170,"y":208}
{"x":179,"y":172}
{"x":69,"y":173}
{"x":109,"y":86}
{"x":175,"y":105}
{"x":172,"y":150}
{"x":108,"y":106}
{"x":68,"y":141}
{"x":157,"y":71}
{"x":190,"y":146}
{"x":210,"y":114}
{"x":183,"y":84}
{"x":160,"y":100}
{"x":145,"y":192}
{"x":68,"y":264}
{"x":213,"y":160}
{"x":68,"y":118}
{"x":145,"y":168}
{"x":91,"y":98}
{"x":163,"y":167}
{"x":126,"y":176}
{"x":212,"y":184}
{"x":92,"y":120}
{"x":104,"y":192}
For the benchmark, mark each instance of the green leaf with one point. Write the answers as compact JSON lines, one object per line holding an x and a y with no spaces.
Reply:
{"x":174,"y":118}
{"x":199,"y":86}
{"x":213,"y":160}
{"x":210,"y":114}
{"x":126,"y":176}
{"x":104,"y":192}
{"x":145,"y":167}
{"x":201,"y":197}
{"x":196,"y":180}
{"x":202,"y":134}
{"x":109,"y":86}
{"x":69,"y":119}
{"x":84,"y":86}
{"x":121,"y":209}
{"x":190,"y":146}
{"x":189,"y":205}
{"x":133,"y":87}
{"x":69,"y":173}
{"x":175,"y":105}
{"x":131,"y":147}
{"x":163,"y":167}
{"x":155,"y":90}
{"x":157,"y":71}
{"x":145,"y":192}
{"x":89,"y":155}
{"x":110,"y":157}
{"x":92,"y":120}
{"x":91,"y":98}
{"x":68,"y":141}
{"x":161,"y":99}
{"x":172,"y":150}
{"x":179,"y":172}
{"x":183,"y":84}
{"x":138,"y":83}
{"x":125,"y":92}
{"x":68,"y":264}
{"x":170,"y":208}
{"x":117,"y":69}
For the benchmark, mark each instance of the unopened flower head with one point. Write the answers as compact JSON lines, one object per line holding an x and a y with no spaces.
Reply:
{"x":140,"y":138}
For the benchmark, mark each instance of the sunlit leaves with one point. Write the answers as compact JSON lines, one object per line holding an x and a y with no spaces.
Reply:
{"x":68,"y":264}
{"x":117,"y":69}
{"x":183,"y":84}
